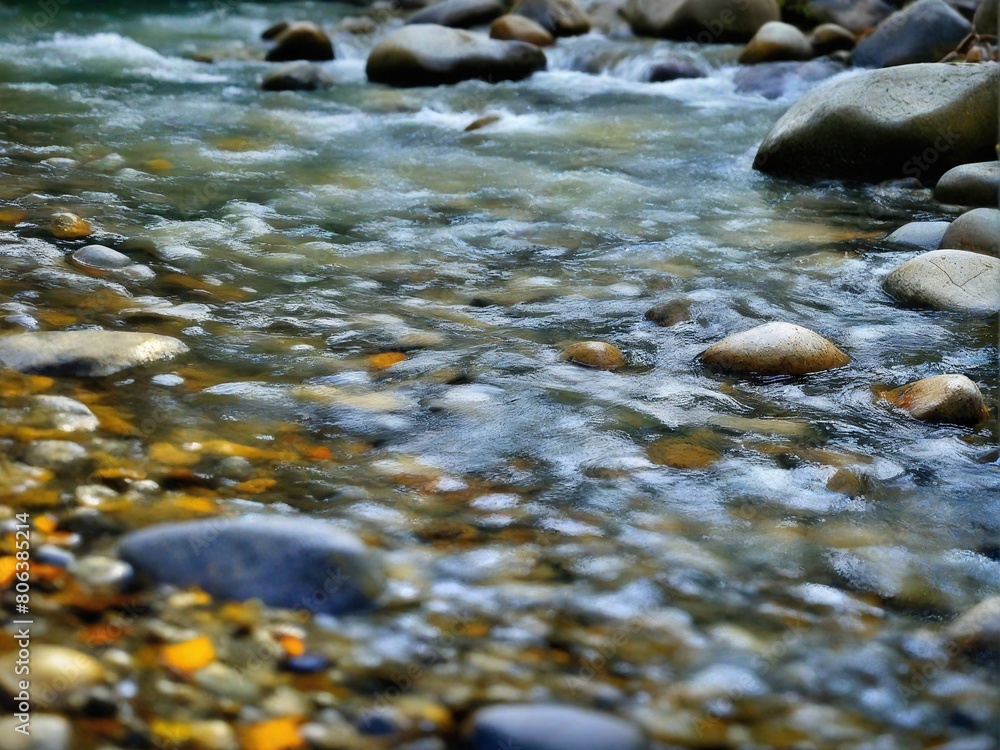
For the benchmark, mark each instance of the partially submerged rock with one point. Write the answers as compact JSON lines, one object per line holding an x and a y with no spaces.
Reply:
{"x":978,"y":629}
{"x":294,"y":563}
{"x":911,"y":121}
{"x":828,"y":38}
{"x":954,"y":399}
{"x":975,"y":184}
{"x":702,"y":21}
{"x":954,"y":280}
{"x":776,"y":41}
{"x":297,"y":76}
{"x":977,"y":231}
{"x":922,"y":32}
{"x":596,"y":354}
{"x":85,"y":353}
{"x":430,"y":55}
{"x":926,"y":235}
{"x":301,"y":40}
{"x":854,"y":15}
{"x":516,"y":28}
{"x":459,"y":14}
{"x":774,"y":349}
{"x":558,"y":17}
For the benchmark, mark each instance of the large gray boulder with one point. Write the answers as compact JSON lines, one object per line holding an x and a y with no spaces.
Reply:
{"x":702,"y":21}
{"x":986,"y":18}
{"x":293,"y":563}
{"x":977,"y":231}
{"x":910,"y":121}
{"x":85,"y":353}
{"x":925,"y":31}
{"x":542,"y":726}
{"x":854,"y":15}
{"x":926,"y":235}
{"x":970,"y":185}
{"x":954,"y":280}
{"x":431,"y":55}
{"x":459,"y":14}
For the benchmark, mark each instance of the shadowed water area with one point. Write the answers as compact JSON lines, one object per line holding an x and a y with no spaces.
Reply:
{"x":376,"y":301}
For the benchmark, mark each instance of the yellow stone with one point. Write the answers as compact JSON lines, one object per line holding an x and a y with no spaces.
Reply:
{"x":69,"y":226}
{"x":597,"y":354}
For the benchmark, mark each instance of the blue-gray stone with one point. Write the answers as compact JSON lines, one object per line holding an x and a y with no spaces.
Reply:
{"x":293,"y":563}
{"x":922,"y":32}
{"x":552,"y":727}
{"x":922,"y":234}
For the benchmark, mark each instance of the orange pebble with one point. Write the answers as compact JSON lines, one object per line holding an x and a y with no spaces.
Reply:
{"x":385,"y":360}
{"x":189,"y":656}
{"x":276,"y":734}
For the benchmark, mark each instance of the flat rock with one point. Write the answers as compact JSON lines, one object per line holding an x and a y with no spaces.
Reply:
{"x":294,"y":563}
{"x":970,"y":185}
{"x":774,"y":349}
{"x":85,"y":353}
{"x":977,"y":231}
{"x":301,"y":40}
{"x":942,"y":398}
{"x":597,"y":354}
{"x":954,"y":280}
{"x":558,"y":17}
{"x":551,"y":727}
{"x":516,"y":28}
{"x":702,"y":21}
{"x":297,"y":76}
{"x":431,"y":55}
{"x":911,"y":121}
{"x":923,"y":32}
{"x":926,"y":235}
{"x":776,"y":41}
{"x":459,"y":14}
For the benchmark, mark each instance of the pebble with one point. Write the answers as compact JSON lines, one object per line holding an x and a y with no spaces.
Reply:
{"x":102,"y":575}
{"x":54,"y":454}
{"x":60,"y":413}
{"x":542,"y":726}
{"x":69,"y":226}
{"x":87,"y":353}
{"x":670,"y":313}
{"x":597,"y":354}
{"x":59,"y":675}
{"x":978,"y":629}
{"x":101,"y":258}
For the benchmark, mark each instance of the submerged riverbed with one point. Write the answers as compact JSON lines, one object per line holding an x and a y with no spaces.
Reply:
{"x":376,"y":300}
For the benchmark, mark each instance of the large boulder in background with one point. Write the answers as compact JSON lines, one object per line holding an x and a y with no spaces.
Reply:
{"x":986,"y":17}
{"x":301,"y":40}
{"x":431,"y":55}
{"x":911,"y":121}
{"x":459,"y":14}
{"x":702,"y":21}
{"x":923,"y":32}
{"x":854,"y":15}
{"x":558,"y":17}
{"x":970,"y":185}
{"x":776,"y":41}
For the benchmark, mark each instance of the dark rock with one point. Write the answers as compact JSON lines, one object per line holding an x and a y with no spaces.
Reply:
{"x":84,"y":353}
{"x":702,"y":21}
{"x":853,"y":15}
{"x":953,"y":280}
{"x":558,"y":17}
{"x":272,"y":32}
{"x":294,"y":563}
{"x":301,"y":40}
{"x":297,"y":76}
{"x":776,"y":41}
{"x":673,"y":70}
{"x":459,"y":14}
{"x":828,"y":38}
{"x":913,"y":121}
{"x":970,"y":185}
{"x":431,"y":55}
{"x":669,"y":313}
{"x":925,"y":31}
{"x":985,"y":19}
{"x":520,"y":29}
{"x":977,"y":231}
{"x":775,"y":79}
{"x":926,"y":235}
{"x":551,"y":727}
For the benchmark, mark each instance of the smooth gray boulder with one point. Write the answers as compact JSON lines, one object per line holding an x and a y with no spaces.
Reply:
{"x":558,"y":17}
{"x":925,"y":31}
{"x":985,"y":20}
{"x":551,"y":727}
{"x":970,"y":185}
{"x":459,"y":14}
{"x":926,"y":235}
{"x":977,"y":231}
{"x":85,"y":354}
{"x":432,"y":55}
{"x":953,"y":280}
{"x":297,"y":76}
{"x":702,"y":21}
{"x":911,"y":121}
{"x":294,"y":563}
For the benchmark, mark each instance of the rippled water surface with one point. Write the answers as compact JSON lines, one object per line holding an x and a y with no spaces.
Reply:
{"x":811,"y":556}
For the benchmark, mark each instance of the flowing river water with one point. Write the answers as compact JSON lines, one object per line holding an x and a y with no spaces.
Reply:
{"x":728,"y":562}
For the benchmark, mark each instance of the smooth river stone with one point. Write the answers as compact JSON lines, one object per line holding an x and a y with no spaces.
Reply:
{"x":829,"y":37}
{"x":459,"y":14}
{"x":84,"y":353}
{"x":297,"y":76}
{"x":293,"y":563}
{"x":970,"y":185}
{"x":942,"y":398}
{"x":520,"y":29}
{"x":702,"y":21}
{"x":301,"y":40}
{"x":926,"y":235}
{"x":774,"y":349}
{"x":598,"y":354}
{"x":551,"y":727}
{"x":978,"y":629}
{"x":954,"y":280}
{"x":558,"y":17}
{"x":776,"y":41}
{"x":923,"y":32}
{"x":57,"y":675}
{"x":977,"y":231}
{"x":101,"y":257}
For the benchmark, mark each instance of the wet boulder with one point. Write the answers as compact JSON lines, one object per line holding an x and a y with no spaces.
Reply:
{"x":670,"y":313}
{"x":520,"y":29}
{"x":925,"y":31}
{"x":459,"y":14}
{"x":293,"y":563}
{"x":774,"y":349}
{"x":702,"y":21}
{"x":828,"y":38}
{"x":776,"y":41}
{"x":953,"y":399}
{"x":926,"y":235}
{"x":910,"y":121}
{"x":85,"y":353}
{"x":673,"y":70}
{"x":596,"y":354}
{"x":977,"y":231}
{"x":558,"y":17}
{"x":970,"y":185}
{"x":954,"y":280}
{"x":297,"y":76}
{"x":540,"y":726}
{"x":977,"y":630}
{"x":853,"y":15}
{"x":301,"y":40}
{"x":431,"y":55}
{"x":985,"y":20}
